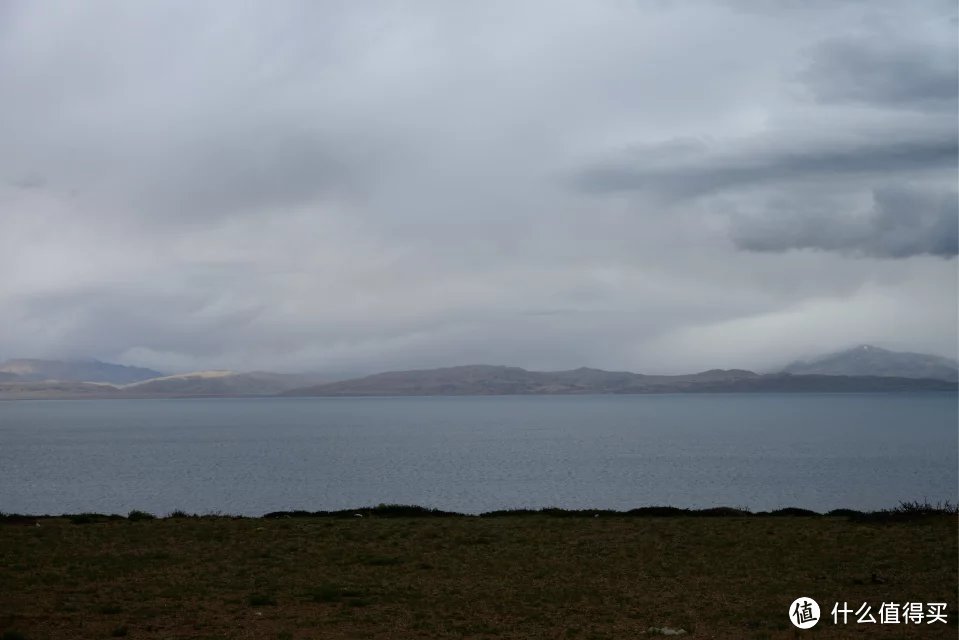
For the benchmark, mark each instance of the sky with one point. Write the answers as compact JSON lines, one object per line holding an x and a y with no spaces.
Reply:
{"x":654,"y":186}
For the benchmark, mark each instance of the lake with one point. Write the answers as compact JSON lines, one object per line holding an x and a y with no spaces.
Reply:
{"x":473,"y":454}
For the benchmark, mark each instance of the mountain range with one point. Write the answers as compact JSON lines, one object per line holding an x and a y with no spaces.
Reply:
{"x":867,"y":360}
{"x":498,"y":380}
{"x":222,"y":383}
{"x":860,"y":369}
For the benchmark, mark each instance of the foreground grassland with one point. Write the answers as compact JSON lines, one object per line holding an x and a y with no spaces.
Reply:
{"x":507,"y":577}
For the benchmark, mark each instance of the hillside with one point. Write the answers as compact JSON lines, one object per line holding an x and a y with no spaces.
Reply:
{"x":27,"y":370}
{"x":500,"y":380}
{"x":835,"y":373}
{"x":220,"y":383}
{"x":867,"y":360}
{"x":26,"y":390}
{"x":476,"y":380}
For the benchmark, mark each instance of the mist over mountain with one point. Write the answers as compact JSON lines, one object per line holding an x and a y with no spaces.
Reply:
{"x":27,"y":369}
{"x":867,"y":360}
{"x":55,"y":379}
{"x":222,"y":383}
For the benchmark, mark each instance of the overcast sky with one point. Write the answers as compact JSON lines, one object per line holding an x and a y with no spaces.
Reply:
{"x":329,"y":186}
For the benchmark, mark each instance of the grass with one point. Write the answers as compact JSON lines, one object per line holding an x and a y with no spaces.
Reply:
{"x":405,"y":572}
{"x":260,"y":600}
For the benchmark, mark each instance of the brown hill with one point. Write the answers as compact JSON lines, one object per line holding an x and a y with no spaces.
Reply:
{"x":220,"y":383}
{"x":500,"y":380}
{"x":474,"y":380}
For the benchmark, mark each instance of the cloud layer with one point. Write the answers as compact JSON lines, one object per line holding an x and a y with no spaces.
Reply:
{"x":901,"y":222}
{"x":343,"y":186}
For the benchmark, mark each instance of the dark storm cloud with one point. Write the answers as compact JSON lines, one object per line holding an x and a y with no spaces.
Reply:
{"x":690,"y":170}
{"x":902,"y":222}
{"x":885,"y":71}
{"x":887,"y":97}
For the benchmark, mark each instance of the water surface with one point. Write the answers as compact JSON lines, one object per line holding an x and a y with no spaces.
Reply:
{"x":472,"y":454}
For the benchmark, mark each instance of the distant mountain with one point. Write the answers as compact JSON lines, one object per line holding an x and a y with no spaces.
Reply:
{"x":867,"y":360}
{"x":76,"y":371}
{"x":94,"y":379}
{"x":24,"y":390}
{"x":220,"y":383}
{"x":472,"y":380}
{"x":499,"y":380}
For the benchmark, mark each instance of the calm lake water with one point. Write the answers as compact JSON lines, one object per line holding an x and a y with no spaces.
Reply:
{"x":472,"y":454}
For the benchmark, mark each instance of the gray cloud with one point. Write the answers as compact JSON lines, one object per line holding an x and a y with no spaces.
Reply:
{"x":885,"y":96}
{"x":902,"y":222}
{"x":688,"y":170}
{"x":889,"y":70}
{"x":29,"y":181}
{"x":322,"y":185}
{"x":247,"y":169}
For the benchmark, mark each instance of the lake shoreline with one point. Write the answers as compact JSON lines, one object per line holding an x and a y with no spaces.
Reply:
{"x":902,"y":512}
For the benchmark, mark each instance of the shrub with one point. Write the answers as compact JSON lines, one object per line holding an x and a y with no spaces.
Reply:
{"x":90,"y":518}
{"x":848,"y":513}
{"x":658,"y":512}
{"x":136,"y":515}
{"x":793,"y":511}
{"x":910,"y":511}
{"x":408,"y":511}
{"x":17,"y":518}
{"x":926,"y":508}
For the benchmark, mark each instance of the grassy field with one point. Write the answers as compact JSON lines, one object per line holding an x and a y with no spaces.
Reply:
{"x":516,"y":576}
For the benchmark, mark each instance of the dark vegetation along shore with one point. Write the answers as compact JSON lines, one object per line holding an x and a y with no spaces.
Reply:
{"x":408,"y":572}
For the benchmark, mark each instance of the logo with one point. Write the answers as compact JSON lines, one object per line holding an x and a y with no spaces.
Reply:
{"x":804,"y":613}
